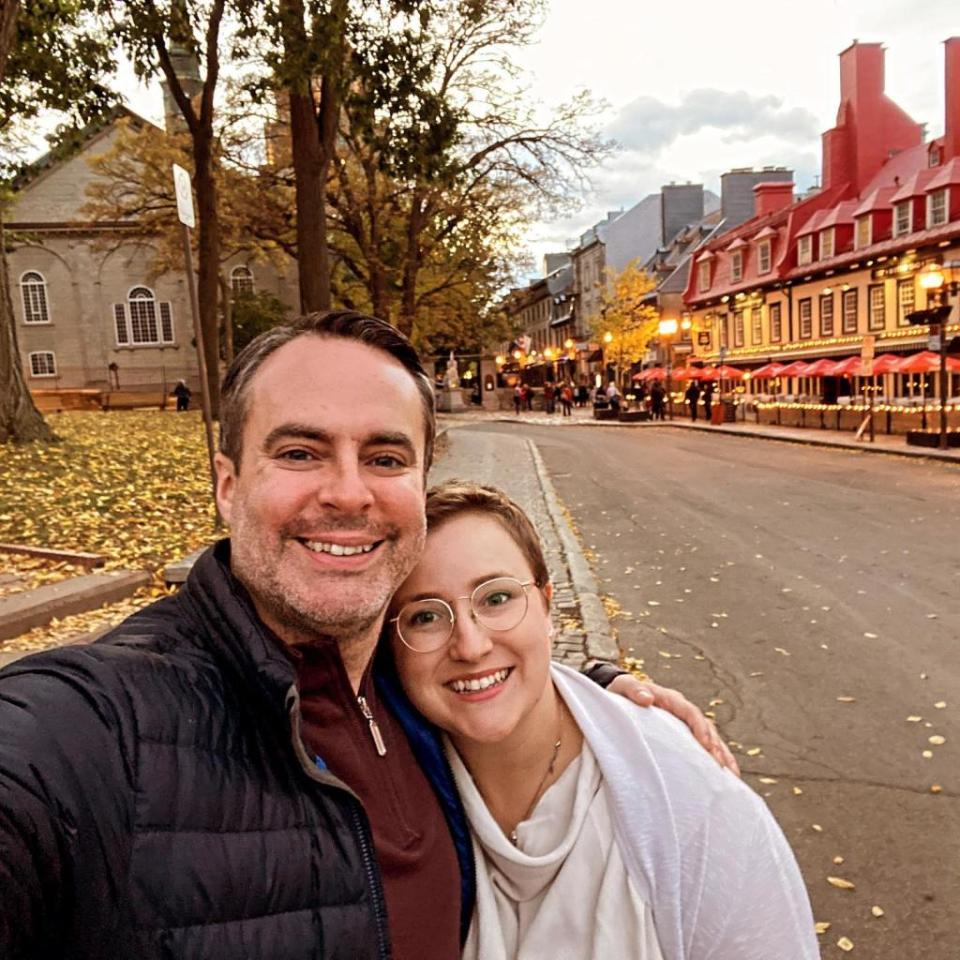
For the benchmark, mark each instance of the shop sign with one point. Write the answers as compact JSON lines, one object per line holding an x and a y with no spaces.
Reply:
{"x":703,"y":338}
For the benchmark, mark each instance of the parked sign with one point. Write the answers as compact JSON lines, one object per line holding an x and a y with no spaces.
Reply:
{"x":184,"y":190}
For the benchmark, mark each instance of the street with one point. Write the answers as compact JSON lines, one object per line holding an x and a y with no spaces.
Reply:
{"x":808,"y":598}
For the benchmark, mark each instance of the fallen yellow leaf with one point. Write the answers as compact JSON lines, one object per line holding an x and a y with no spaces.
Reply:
{"x":877,"y":911}
{"x":753,"y":751}
{"x":840,"y":883}
{"x":822,"y":926}
{"x":838,"y":860}
{"x":768,"y":780}
{"x":846,"y":699}
{"x":936,"y":740}
{"x":797,"y":791}
{"x":845,"y":944}
{"x":936,"y":788}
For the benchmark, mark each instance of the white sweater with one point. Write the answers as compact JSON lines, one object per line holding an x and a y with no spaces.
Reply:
{"x":701,"y":852}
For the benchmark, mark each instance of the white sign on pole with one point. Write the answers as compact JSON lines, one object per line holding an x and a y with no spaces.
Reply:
{"x":867,"y":353}
{"x":184,"y":190}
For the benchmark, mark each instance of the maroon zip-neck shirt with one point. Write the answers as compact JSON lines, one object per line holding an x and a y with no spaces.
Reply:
{"x":418,"y":861}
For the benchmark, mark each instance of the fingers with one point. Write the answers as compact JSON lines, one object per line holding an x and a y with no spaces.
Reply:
{"x":631,"y":688}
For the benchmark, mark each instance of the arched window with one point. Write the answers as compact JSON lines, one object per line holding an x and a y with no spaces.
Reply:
{"x":33,"y":289}
{"x":141,"y":321}
{"x":241,"y":279}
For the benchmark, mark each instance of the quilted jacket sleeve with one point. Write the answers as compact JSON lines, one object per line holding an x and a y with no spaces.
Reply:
{"x":63,"y":797}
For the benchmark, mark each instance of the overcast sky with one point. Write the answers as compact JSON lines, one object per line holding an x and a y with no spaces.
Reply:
{"x":698,"y":87}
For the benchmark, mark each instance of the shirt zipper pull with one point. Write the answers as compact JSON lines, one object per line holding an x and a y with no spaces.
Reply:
{"x":374,"y":729}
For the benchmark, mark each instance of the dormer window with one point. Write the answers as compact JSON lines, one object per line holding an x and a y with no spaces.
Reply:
{"x":764,"y":256}
{"x":805,"y":250}
{"x":902,"y":219}
{"x":937,"y":208}
{"x":864,"y":235}
{"x":703,"y":276}
{"x":826,"y":243}
{"x":934,"y":157}
{"x":736,"y":266}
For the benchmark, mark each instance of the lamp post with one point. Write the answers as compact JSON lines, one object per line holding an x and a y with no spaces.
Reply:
{"x":668,"y":330}
{"x":933,"y":281}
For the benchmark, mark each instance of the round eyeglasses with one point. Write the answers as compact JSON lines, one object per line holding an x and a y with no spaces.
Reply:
{"x":427,"y":625}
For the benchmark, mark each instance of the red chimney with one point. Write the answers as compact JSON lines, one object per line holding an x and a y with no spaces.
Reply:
{"x":772,"y":196}
{"x":951,"y":127}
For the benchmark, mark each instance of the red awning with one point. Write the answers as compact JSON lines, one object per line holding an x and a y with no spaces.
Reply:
{"x":726,"y":372}
{"x":651,"y":373}
{"x":820,"y":368}
{"x":795,"y":369}
{"x":708,"y":373}
{"x":850,"y":367}
{"x":686,"y":373}
{"x":886,"y":363}
{"x":767,"y":370}
{"x":926,"y":362}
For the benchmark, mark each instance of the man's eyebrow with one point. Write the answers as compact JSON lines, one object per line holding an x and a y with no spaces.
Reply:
{"x":392,"y":439}
{"x":299,"y":431}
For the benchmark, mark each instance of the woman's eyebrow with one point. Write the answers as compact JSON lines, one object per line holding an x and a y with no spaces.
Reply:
{"x":435,"y":595}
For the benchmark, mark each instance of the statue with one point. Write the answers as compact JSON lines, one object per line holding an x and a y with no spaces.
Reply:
{"x":452,"y":379}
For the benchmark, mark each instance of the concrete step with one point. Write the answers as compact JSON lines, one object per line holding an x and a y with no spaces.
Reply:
{"x":21,"y":612}
{"x":176,"y":573}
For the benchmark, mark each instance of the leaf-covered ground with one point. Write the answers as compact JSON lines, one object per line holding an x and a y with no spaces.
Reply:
{"x":133,"y":486}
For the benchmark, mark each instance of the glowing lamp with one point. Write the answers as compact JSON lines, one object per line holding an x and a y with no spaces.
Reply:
{"x":932,"y":278}
{"x":608,"y":337}
{"x":668,"y":327}
{"x":568,"y":343}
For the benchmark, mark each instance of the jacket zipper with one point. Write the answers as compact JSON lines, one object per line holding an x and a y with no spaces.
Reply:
{"x":372,"y":724}
{"x":370,"y":867}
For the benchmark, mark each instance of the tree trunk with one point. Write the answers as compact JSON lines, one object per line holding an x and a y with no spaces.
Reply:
{"x":208,"y":260}
{"x":310,"y":167}
{"x":226,"y":304}
{"x":411,"y":264}
{"x":8,"y":30}
{"x":20,"y":421}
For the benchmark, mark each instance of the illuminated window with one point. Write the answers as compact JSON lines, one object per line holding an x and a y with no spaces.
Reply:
{"x":906,"y":300}
{"x":877,"y":315}
{"x":849,"y":307}
{"x":738,"y":328}
{"x":776,"y":323}
{"x":806,"y":318}
{"x":826,"y":315}
{"x":33,"y":290}
{"x":756,"y":326}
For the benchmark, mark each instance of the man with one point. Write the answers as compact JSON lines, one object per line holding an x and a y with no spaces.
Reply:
{"x":226,"y":774}
{"x":693,"y":396}
{"x":182,"y":392}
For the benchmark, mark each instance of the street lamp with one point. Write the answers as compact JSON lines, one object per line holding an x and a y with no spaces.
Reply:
{"x":668,"y":330}
{"x":932,"y":280}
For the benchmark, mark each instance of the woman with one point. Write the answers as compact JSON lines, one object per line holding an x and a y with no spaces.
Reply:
{"x":599,"y":831}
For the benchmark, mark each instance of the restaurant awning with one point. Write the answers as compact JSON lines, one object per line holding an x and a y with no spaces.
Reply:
{"x":767,"y":370}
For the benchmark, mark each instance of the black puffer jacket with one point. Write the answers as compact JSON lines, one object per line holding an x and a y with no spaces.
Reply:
{"x":155,"y":801}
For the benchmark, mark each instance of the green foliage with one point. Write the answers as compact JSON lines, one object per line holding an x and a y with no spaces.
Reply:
{"x":253,"y":314}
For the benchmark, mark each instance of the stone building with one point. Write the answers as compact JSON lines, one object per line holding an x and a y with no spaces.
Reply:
{"x":88,"y":310}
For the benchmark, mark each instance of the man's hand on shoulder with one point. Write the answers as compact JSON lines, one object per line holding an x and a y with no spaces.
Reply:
{"x":648,"y":694}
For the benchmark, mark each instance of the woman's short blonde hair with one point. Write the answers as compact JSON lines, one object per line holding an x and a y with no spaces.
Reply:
{"x":455,"y":497}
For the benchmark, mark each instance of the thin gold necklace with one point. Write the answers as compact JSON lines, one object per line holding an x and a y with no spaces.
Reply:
{"x":543,"y":780}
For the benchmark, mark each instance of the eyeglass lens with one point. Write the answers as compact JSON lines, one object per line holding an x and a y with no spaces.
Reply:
{"x":499,"y":604}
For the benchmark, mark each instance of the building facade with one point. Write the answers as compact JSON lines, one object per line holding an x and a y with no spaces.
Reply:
{"x":90,"y":313}
{"x":813,"y":277}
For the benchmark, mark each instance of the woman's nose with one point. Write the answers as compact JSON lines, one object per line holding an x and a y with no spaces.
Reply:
{"x":470,"y":640}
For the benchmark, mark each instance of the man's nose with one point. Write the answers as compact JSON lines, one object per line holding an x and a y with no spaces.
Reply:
{"x":345,"y":487}
{"x":471,"y":640}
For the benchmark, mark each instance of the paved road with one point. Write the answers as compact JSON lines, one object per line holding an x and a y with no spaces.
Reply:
{"x":779,"y":580}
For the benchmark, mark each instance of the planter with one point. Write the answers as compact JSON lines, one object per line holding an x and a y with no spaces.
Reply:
{"x":634,"y":416}
{"x":604,"y":413}
{"x":928,"y":438}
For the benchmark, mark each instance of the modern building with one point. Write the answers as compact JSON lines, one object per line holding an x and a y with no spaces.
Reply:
{"x":812,"y":277}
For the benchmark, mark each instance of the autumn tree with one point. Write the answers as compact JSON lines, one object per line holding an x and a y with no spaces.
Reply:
{"x":626,"y":323}
{"x":158,"y":36}
{"x":53,"y":56}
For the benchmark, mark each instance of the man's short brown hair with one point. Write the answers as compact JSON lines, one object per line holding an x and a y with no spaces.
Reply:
{"x":342,"y":324}
{"x":456,"y":497}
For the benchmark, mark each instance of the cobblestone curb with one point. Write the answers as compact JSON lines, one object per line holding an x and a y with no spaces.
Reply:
{"x":598,"y":640}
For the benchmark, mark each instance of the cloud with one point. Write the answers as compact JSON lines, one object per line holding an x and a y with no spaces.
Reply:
{"x":648,"y":125}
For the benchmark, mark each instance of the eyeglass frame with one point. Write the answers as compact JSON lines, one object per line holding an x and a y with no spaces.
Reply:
{"x":473,"y":613}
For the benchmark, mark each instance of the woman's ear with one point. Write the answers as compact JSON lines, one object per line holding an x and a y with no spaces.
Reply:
{"x":548,"y":592}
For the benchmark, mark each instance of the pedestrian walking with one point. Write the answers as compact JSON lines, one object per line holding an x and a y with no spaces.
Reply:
{"x":566,"y":399}
{"x":708,"y":401}
{"x":583,"y":393}
{"x":225,"y":767}
{"x":518,"y":398}
{"x":528,"y":392}
{"x":549,"y":396}
{"x":693,"y":397}
{"x":182,"y":392}
{"x":657,"y":397}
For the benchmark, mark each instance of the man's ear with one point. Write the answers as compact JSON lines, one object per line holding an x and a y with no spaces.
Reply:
{"x":226,"y":484}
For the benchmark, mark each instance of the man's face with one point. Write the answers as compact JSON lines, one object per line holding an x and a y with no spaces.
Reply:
{"x":326,"y":512}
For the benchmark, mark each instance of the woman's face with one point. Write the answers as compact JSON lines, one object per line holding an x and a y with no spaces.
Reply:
{"x":512,"y":666}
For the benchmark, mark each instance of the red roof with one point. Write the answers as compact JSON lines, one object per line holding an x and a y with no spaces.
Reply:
{"x":948,"y":174}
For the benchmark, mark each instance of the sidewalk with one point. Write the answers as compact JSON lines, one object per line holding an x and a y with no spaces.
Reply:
{"x":895,"y":445}
{"x":514,"y":465}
